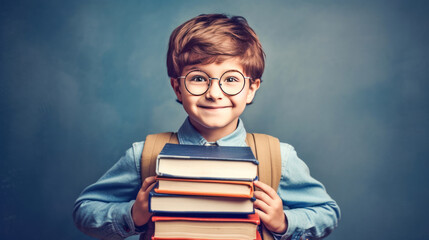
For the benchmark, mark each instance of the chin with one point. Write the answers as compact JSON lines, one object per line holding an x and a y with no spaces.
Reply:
{"x":211,"y":124}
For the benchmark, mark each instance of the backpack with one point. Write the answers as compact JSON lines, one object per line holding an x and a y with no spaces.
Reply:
{"x":265,"y":148}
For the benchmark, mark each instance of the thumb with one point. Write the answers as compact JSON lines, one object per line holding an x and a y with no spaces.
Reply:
{"x":147,"y":182}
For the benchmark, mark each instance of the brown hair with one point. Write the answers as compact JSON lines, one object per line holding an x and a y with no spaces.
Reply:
{"x":210,"y":38}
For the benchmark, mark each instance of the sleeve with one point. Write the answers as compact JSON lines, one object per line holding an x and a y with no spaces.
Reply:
{"x":311,"y":213}
{"x":103,"y":209}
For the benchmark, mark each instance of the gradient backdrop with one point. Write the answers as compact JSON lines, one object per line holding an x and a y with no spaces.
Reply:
{"x":346,"y":83}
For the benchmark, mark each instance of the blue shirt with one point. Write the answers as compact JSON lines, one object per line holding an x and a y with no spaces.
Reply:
{"x":103,"y":210}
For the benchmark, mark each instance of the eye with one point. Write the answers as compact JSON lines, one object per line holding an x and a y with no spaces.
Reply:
{"x":198,"y":79}
{"x":231,"y":79}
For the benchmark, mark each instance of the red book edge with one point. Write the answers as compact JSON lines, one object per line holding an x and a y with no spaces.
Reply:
{"x":250,"y":184}
{"x":258,"y":237}
{"x":252,"y":218}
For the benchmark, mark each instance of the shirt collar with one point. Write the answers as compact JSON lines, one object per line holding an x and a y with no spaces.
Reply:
{"x":187,"y":134}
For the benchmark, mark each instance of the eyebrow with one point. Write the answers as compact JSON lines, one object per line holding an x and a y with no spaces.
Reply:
{"x":199,"y":69}
{"x":194,"y":68}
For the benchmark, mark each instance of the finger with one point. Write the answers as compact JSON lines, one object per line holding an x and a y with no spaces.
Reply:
{"x":147,"y":182}
{"x":146,"y":193}
{"x":266,"y":188}
{"x":263,"y":216}
{"x":258,"y":204}
{"x":263,"y":197}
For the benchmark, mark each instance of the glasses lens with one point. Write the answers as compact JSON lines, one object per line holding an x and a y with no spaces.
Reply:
{"x":197,"y":82}
{"x":232,"y":82}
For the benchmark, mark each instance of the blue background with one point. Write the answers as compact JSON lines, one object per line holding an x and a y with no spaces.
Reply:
{"x":345,"y":83}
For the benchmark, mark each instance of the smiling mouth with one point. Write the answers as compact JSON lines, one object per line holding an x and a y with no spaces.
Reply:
{"x":214,"y":107}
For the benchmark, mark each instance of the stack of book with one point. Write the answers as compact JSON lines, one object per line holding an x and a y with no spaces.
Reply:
{"x":204,"y":192}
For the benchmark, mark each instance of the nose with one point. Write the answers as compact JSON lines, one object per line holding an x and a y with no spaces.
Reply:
{"x":214,"y":91}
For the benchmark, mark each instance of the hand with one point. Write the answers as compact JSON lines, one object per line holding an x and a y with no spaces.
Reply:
{"x":268,"y":205}
{"x":140,"y":210}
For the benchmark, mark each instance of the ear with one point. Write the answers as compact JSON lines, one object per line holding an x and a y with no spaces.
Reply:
{"x":254,"y":86}
{"x":175,"y":84}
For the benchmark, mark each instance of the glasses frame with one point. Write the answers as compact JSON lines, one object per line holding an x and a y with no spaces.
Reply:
{"x":210,"y":82}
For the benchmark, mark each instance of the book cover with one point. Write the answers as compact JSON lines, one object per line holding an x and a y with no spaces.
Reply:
{"x":207,"y":162}
{"x":206,"y":228}
{"x":258,"y":237}
{"x":241,"y":189}
{"x":197,"y":205}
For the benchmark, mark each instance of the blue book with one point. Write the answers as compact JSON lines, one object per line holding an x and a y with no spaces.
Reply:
{"x":207,"y":162}
{"x":172,"y":204}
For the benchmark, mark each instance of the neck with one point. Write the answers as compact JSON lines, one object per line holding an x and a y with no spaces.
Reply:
{"x":214,"y":134}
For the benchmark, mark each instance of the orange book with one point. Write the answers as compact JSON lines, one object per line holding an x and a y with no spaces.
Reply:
{"x":194,"y":228}
{"x":199,"y":187}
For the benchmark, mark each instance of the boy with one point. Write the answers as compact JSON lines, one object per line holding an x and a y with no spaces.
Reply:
{"x":215,"y":64}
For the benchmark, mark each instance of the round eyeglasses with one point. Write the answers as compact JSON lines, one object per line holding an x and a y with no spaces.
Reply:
{"x":198,"y":82}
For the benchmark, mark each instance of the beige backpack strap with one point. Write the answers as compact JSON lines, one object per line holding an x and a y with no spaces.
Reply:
{"x":267,"y":150}
{"x":152,"y":147}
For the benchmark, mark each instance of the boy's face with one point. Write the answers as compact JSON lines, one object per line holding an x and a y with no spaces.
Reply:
{"x":215,"y":110}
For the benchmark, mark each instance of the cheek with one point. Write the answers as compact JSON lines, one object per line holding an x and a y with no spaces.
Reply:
{"x":243,"y":96}
{"x":189,"y":101}
{"x":249,"y":95}
{"x":239,"y":101}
